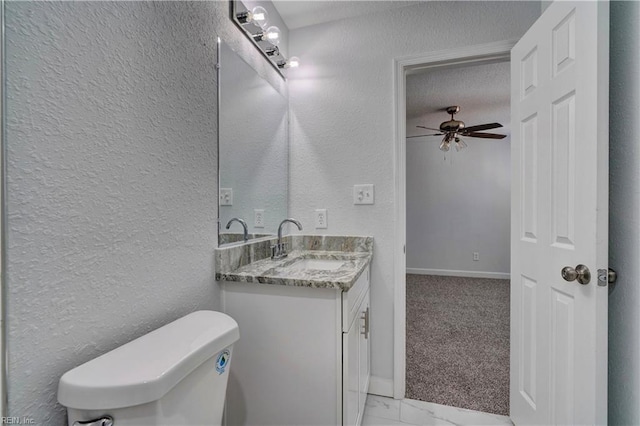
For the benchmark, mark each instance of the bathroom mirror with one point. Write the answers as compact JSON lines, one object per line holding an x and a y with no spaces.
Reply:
{"x":253,"y":150}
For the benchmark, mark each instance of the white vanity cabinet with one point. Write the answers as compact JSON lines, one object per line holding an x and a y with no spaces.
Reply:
{"x":355,"y":361}
{"x":303,"y":354}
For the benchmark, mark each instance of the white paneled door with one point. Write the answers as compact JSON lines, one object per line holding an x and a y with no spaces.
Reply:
{"x":559,"y":97}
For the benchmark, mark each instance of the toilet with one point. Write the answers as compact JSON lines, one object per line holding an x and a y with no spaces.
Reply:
{"x":175,"y":375}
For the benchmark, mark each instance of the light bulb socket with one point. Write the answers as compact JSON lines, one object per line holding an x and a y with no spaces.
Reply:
{"x":272,"y":51}
{"x":243,"y":17}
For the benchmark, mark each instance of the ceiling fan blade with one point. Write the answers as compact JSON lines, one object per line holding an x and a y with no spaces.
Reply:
{"x":429,"y":128}
{"x":481,"y":127}
{"x":485,"y":135}
{"x":419,"y":136}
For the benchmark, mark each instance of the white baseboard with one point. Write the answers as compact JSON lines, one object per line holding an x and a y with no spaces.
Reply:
{"x":454,"y":273}
{"x":380,"y":386}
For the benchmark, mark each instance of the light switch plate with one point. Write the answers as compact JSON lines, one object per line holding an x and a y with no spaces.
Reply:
{"x":226,"y":196}
{"x":321,"y":219}
{"x":258,"y":218}
{"x":363,"y":194}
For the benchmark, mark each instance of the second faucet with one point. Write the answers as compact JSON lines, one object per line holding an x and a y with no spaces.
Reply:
{"x":279,"y":250}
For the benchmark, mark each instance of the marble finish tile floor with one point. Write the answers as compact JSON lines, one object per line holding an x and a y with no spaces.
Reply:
{"x":382,"y":411}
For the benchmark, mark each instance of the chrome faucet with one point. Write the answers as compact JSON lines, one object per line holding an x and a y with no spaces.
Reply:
{"x":244,"y":225}
{"x":279,"y":250}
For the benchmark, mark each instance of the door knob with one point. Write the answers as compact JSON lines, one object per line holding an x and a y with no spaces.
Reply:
{"x":581,"y":273}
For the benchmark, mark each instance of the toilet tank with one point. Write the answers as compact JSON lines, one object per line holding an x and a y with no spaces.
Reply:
{"x":175,"y":375}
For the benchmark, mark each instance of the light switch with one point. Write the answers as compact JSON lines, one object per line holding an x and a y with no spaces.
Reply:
{"x":226,"y":196}
{"x":363,"y":194}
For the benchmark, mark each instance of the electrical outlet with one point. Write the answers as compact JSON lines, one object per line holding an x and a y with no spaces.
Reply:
{"x":321,"y":219}
{"x":476,"y":256}
{"x":258,"y":218}
{"x":363,"y":194}
{"x":226,"y":196}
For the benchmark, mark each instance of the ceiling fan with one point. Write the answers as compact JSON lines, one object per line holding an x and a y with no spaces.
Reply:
{"x":453,"y":129}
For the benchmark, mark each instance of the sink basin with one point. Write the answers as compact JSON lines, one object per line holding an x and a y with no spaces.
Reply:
{"x":316,"y":264}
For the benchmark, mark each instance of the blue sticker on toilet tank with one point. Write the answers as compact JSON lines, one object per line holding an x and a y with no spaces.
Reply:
{"x":223,"y":361}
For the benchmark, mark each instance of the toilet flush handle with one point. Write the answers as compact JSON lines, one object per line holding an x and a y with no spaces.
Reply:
{"x":102,"y":421}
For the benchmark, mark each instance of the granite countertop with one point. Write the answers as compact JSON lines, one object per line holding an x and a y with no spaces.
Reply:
{"x":263,"y":270}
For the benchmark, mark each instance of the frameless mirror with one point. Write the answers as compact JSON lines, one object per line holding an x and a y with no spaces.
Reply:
{"x":253,"y":151}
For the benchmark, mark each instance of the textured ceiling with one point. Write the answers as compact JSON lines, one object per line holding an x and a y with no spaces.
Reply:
{"x":297,"y":14}
{"x":481,"y":91}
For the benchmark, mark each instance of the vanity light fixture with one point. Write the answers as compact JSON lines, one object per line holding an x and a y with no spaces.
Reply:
{"x":271,"y":34}
{"x":253,"y":22}
{"x":258,"y":15}
{"x":292,"y":62}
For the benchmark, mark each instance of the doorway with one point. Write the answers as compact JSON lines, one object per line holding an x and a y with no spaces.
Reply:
{"x":458,"y":244}
{"x":559,"y":214}
{"x":473,"y":55}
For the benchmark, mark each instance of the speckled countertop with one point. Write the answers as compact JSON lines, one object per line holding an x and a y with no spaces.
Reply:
{"x":253,"y":265}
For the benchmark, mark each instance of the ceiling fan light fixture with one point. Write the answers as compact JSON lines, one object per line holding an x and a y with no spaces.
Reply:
{"x":453,"y":130}
{"x":460,"y":144}
{"x":446,"y":142}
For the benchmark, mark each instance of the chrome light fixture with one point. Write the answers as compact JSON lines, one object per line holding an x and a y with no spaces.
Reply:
{"x":258,"y":15}
{"x":292,"y":62}
{"x":254,"y":23}
{"x":271,"y":35}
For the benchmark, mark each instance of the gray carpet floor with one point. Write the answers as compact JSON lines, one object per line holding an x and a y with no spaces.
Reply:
{"x":458,"y":342}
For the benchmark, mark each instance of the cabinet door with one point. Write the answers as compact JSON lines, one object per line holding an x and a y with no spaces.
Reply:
{"x":364,"y":352}
{"x":350,"y":373}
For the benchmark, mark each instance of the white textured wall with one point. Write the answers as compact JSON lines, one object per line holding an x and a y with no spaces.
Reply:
{"x":624,"y":214}
{"x":341,"y":101}
{"x":112,"y":202}
{"x":458,"y":203}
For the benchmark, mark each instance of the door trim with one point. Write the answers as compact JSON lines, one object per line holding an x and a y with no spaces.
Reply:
{"x":478,"y":54}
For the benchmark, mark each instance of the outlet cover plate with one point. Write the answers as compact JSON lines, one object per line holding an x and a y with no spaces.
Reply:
{"x":321,"y":219}
{"x":363,"y":194}
{"x":226,"y":196}
{"x":258,"y":218}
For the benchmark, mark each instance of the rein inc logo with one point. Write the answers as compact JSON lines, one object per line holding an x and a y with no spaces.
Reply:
{"x":223,"y":361}
{"x":24,"y":420}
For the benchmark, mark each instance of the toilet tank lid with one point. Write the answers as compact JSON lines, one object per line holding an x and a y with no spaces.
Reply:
{"x":145,"y":369}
